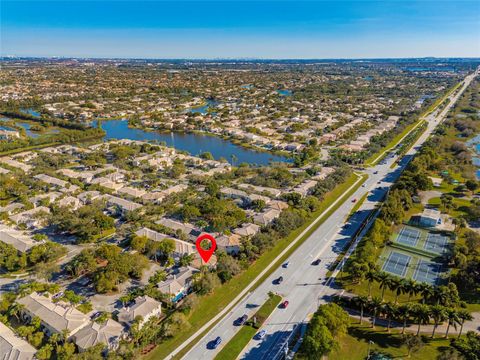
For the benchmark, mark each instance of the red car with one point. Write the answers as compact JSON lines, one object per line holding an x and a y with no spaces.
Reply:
{"x":284,"y":304}
{"x":354,"y":200}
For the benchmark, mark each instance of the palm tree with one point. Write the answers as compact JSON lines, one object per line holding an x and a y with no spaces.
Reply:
{"x":384,"y":279}
{"x":421,"y":315}
{"x":375,"y":305}
{"x":410,"y":287}
{"x":399,"y":286}
{"x":463,"y":316}
{"x":438,"y":315}
{"x":361,"y":302}
{"x":370,"y":276}
{"x":426,"y":291}
{"x":453,"y":319}
{"x":441,"y":294}
{"x":15,"y":310}
{"x":390,"y":310}
{"x":404,"y":312}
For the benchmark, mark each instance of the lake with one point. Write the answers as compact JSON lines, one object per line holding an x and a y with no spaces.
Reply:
{"x":285,"y":92}
{"x":475,"y":145}
{"x":195,"y":144}
{"x":31,"y":112}
{"x":27,"y":126}
{"x":204,"y":108}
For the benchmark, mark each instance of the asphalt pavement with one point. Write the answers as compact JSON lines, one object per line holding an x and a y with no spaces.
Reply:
{"x":305,"y":285}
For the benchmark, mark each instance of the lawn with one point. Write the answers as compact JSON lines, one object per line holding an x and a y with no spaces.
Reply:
{"x":245,"y":334}
{"x":212,"y":304}
{"x":354,"y":345}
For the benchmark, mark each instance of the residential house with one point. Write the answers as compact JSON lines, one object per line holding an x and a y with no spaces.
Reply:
{"x":88,"y":196}
{"x":266,"y":217}
{"x":247,"y":229}
{"x":13,"y":347}
{"x":30,"y":217}
{"x":305,"y":187}
{"x":69,"y":201}
{"x":108,"y":333}
{"x":229,"y":243}
{"x":144,"y":307}
{"x":130,"y":191}
{"x":181,"y":247}
{"x":124,"y":205}
{"x":55,"y":318}
{"x":52,"y":181}
{"x":16,"y":164}
{"x":178,"y":284}
{"x":190,"y":231}
{"x":17,"y":239}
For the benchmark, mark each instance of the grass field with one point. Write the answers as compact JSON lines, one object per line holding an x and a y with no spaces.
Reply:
{"x":212,"y":304}
{"x":354,"y":345}
{"x":245,"y":334}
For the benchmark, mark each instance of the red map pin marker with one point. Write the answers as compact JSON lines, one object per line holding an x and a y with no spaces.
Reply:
{"x":206,"y":254}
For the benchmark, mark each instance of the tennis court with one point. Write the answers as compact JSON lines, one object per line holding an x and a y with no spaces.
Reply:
{"x":397,"y":263}
{"x":436,"y":243}
{"x":427,"y":271}
{"x":408,"y":236}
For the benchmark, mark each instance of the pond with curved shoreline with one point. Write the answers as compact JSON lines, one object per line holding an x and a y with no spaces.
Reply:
{"x":194,"y":143}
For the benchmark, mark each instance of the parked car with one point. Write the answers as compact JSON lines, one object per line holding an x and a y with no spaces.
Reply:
{"x":284,"y":304}
{"x":261,"y":335}
{"x":285,"y":265}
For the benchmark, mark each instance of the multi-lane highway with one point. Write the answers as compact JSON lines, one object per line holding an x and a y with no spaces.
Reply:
{"x":305,"y":284}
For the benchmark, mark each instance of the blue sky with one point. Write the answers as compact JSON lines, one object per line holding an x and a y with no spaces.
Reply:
{"x":241,"y":29}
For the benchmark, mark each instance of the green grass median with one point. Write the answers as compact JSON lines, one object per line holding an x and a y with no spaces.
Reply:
{"x":212,"y":304}
{"x":235,"y":346}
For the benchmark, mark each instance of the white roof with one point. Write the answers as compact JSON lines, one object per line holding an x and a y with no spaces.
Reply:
{"x":144,"y":306}
{"x":16,"y":238}
{"x":13,"y":347}
{"x":106,"y":333}
{"x":57,"y":316}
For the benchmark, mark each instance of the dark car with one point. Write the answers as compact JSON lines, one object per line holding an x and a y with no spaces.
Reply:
{"x":214,"y":343}
{"x":316,"y":262}
{"x":279,"y":280}
{"x":241,"y":320}
{"x":285,"y":265}
{"x":284,"y":304}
